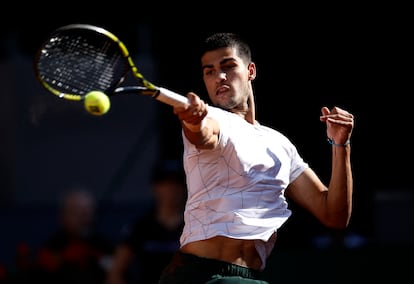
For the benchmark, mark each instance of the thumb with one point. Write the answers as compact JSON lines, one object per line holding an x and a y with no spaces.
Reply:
{"x":193,"y":98}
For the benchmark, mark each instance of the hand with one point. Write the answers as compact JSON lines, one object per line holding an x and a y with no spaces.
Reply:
{"x":194,"y":113}
{"x":339,"y":124}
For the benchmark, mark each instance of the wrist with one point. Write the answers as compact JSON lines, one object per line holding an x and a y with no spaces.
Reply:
{"x":332,"y":142}
{"x":195,"y":127}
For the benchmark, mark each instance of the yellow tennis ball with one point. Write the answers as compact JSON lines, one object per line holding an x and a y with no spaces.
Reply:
{"x":97,"y":103}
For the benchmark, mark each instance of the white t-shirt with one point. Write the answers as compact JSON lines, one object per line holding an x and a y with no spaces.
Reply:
{"x":237,"y":189}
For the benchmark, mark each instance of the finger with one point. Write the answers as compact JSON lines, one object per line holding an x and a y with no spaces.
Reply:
{"x":325,"y":110}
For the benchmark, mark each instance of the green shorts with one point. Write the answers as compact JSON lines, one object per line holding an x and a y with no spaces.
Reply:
{"x":189,"y":269}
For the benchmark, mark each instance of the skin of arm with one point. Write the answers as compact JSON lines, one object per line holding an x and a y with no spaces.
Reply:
{"x":332,"y":205}
{"x":200,"y":130}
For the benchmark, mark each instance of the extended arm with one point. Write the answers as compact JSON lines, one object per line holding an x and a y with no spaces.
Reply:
{"x":200,"y":130}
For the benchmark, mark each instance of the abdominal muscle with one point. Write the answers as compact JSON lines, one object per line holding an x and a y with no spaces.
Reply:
{"x":240,"y":252}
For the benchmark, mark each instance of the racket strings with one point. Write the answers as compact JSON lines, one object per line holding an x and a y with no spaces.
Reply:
{"x":80,"y":64}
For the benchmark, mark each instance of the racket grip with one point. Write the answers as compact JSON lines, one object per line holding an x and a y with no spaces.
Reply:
{"x":169,"y":97}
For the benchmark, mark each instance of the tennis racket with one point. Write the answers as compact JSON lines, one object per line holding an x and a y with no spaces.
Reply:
{"x":79,"y":58}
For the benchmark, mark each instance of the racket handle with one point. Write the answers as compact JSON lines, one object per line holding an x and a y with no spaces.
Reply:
{"x":169,"y":97}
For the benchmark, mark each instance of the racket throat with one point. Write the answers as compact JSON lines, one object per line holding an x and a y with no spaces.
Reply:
{"x":137,"y":90}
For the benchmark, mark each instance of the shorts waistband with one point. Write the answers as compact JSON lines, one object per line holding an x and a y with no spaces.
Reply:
{"x":213,"y":266}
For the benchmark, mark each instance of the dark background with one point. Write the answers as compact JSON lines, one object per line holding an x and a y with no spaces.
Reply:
{"x":351,"y":56}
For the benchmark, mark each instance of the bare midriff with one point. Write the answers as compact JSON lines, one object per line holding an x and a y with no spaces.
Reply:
{"x":240,"y":252}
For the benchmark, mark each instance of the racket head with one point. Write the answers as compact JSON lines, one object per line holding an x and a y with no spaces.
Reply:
{"x":78,"y":58}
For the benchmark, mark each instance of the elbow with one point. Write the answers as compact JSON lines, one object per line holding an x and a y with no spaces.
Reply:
{"x":337,"y":222}
{"x":337,"y":225}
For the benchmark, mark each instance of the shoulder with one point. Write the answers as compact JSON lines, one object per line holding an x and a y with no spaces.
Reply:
{"x":275,"y":133}
{"x":217,"y":112}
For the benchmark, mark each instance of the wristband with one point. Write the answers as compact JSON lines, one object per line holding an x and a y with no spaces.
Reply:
{"x":332,"y":142}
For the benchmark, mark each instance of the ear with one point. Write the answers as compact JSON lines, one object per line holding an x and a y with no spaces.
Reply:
{"x":252,"y":71}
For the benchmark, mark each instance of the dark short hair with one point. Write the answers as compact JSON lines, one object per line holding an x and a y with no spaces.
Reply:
{"x":227,"y":39}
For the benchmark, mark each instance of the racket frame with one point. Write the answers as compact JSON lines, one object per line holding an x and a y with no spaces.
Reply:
{"x":143,"y":87}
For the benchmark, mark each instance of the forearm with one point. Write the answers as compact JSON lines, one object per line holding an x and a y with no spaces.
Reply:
{"x":339,"y":195}
{"x":202,"y":135}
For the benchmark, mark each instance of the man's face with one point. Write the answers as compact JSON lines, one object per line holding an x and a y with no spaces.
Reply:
{"x":226,"y":77}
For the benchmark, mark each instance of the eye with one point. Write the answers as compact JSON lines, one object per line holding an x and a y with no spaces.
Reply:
{"x":229,"y":66}
{"x":208,"y":72}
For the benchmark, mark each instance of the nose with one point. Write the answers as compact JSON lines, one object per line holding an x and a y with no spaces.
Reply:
{"x":221,"y":76}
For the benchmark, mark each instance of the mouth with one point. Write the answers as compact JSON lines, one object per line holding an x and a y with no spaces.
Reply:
{"x":222,"y":90}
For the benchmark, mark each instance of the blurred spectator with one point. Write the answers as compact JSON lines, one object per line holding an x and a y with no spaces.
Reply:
{"x":24,"y":265}
{"x":3,"y":273}
{"x":149,"y":245}
{"x":76,"y":253}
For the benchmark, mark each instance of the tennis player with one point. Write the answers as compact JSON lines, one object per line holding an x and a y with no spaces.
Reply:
{"x":239,"y":173}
